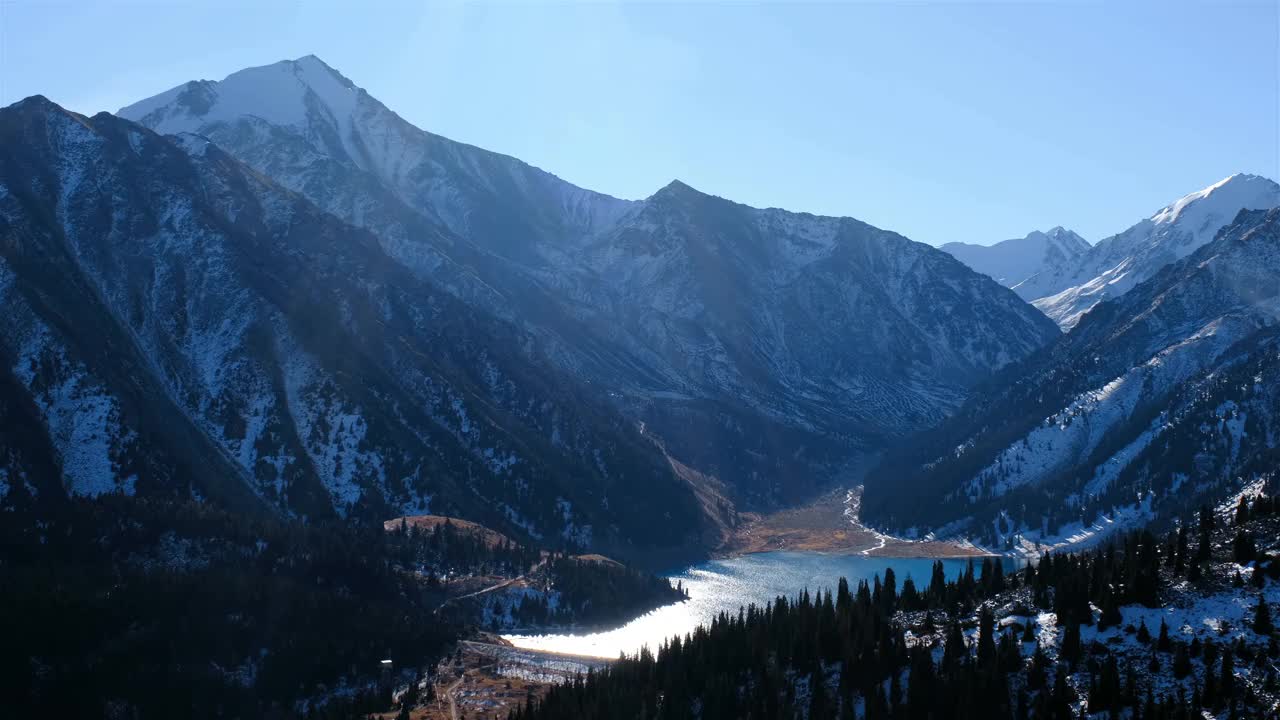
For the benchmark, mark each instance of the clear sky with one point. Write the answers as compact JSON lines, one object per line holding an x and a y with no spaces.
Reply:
{"x":940,"y":120}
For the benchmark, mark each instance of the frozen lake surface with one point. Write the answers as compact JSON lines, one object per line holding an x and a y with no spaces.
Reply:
{"x":725,"y":585}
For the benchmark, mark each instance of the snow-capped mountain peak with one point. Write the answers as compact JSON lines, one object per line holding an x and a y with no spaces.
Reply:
{"x":304,"y":94}
{"x":277,"y":93}
{"x":1118,"y":263}
{"x":1063,"y":276}
{"x":1067,"y":238}
{"x":302,"y":123}
{"x":1239,"y":191}
{"x":1016,"y":263}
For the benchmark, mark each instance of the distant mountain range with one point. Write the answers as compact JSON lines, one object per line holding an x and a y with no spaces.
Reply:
{"x":287,"y":299}
{"x":1017,"y":263}
{"x":1064,"y":277}
{"x":1159,"y":399}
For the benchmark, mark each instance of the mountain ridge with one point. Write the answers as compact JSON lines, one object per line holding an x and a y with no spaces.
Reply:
{"x":1116,"y":264}
{"x":180,"y":325}
{"x":605,"y":285}
{"x":1157,"y":400}
{"x":1014,"y":262}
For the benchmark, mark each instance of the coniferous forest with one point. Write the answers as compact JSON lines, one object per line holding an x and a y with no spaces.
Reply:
{"x":1050,"y":640}
{"x":165,"y":609}
{"x":310,"y":411}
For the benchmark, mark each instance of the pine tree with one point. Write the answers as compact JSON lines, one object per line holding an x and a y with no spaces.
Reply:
{"x":1196,"y":571}
{"x":1181,"y":662}
{"x":1243,"y":549}
{"x":954,"y":651}
{"x":1108,"y":688}
{"x":1071,"y":648}
{"x":1110,"y":611}
{"x":1227,"y":683}
{"x":1262,"y":617}
{"x":819,"y":704}
{"x":986,"y":637}
{"x":1206,"y":528}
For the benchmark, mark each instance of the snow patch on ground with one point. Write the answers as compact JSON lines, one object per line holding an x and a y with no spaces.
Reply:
{"x":82,"y":418}
{"x":1078,"y":535}
{"x":1065,"y":439}
{"x":332,"y":431}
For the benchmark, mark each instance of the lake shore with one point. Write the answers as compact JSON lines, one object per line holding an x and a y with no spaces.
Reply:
{"x":717,"y":587}
{"x":830,"y":525}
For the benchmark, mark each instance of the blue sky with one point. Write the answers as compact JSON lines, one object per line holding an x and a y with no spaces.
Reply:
{"x":940,"y":120}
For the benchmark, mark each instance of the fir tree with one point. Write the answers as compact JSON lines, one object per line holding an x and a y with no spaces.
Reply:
{"x":1181,"y":662}
{"x":1071,"y":648}
{"x":1144,"y":635}
{"x":1262,"y":617}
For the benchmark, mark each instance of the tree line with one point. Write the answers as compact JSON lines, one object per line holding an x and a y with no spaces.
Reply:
{"x":938,"y":652}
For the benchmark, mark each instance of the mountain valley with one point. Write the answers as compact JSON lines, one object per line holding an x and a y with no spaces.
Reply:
{"x":308,"y":412}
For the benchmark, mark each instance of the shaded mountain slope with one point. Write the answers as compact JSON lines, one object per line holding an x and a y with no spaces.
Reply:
{"x":181,"y":323}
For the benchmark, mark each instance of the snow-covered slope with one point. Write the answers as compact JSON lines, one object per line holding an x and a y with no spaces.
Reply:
{"x":1014,"y":263}
{"x":801,"y":314}
{"x":177,"y":323}
{"x":1155,"y":400}
{"x":765,"y":347}
{"x":312,"y":130}
{"x":1118,"y":263}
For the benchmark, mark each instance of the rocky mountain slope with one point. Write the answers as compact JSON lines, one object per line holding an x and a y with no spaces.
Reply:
{"x":1159,"y":399}
{"x":764,"y":348}
{"x":1119,"y":263}
{"x":1016,"y":263}
{"x":176,"y":323}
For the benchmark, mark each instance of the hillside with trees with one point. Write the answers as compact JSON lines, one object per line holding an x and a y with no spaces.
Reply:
{"x":144,"y":608}
{"x":1146,"y":627}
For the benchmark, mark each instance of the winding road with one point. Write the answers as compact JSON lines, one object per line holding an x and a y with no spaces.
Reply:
{"x":505,"y":583}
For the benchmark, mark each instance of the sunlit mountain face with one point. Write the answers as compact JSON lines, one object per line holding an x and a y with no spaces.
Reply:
{"x":1156,"y":402}
{"x":772,"y":351}
{"x":1018,"y":262}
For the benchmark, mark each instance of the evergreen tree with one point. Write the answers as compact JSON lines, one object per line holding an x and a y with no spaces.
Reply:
{"x":1181,"y":662}
{"x":1262,"y":617}
{"x":986,"y":637}
{"x":1071,"y":648}
{"x":1243,"y":549}
{"x":1227,"y":683}
{"x":1205,"y":527}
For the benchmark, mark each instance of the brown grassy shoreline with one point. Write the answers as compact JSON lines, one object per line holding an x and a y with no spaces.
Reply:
{"x":823,"y":526}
